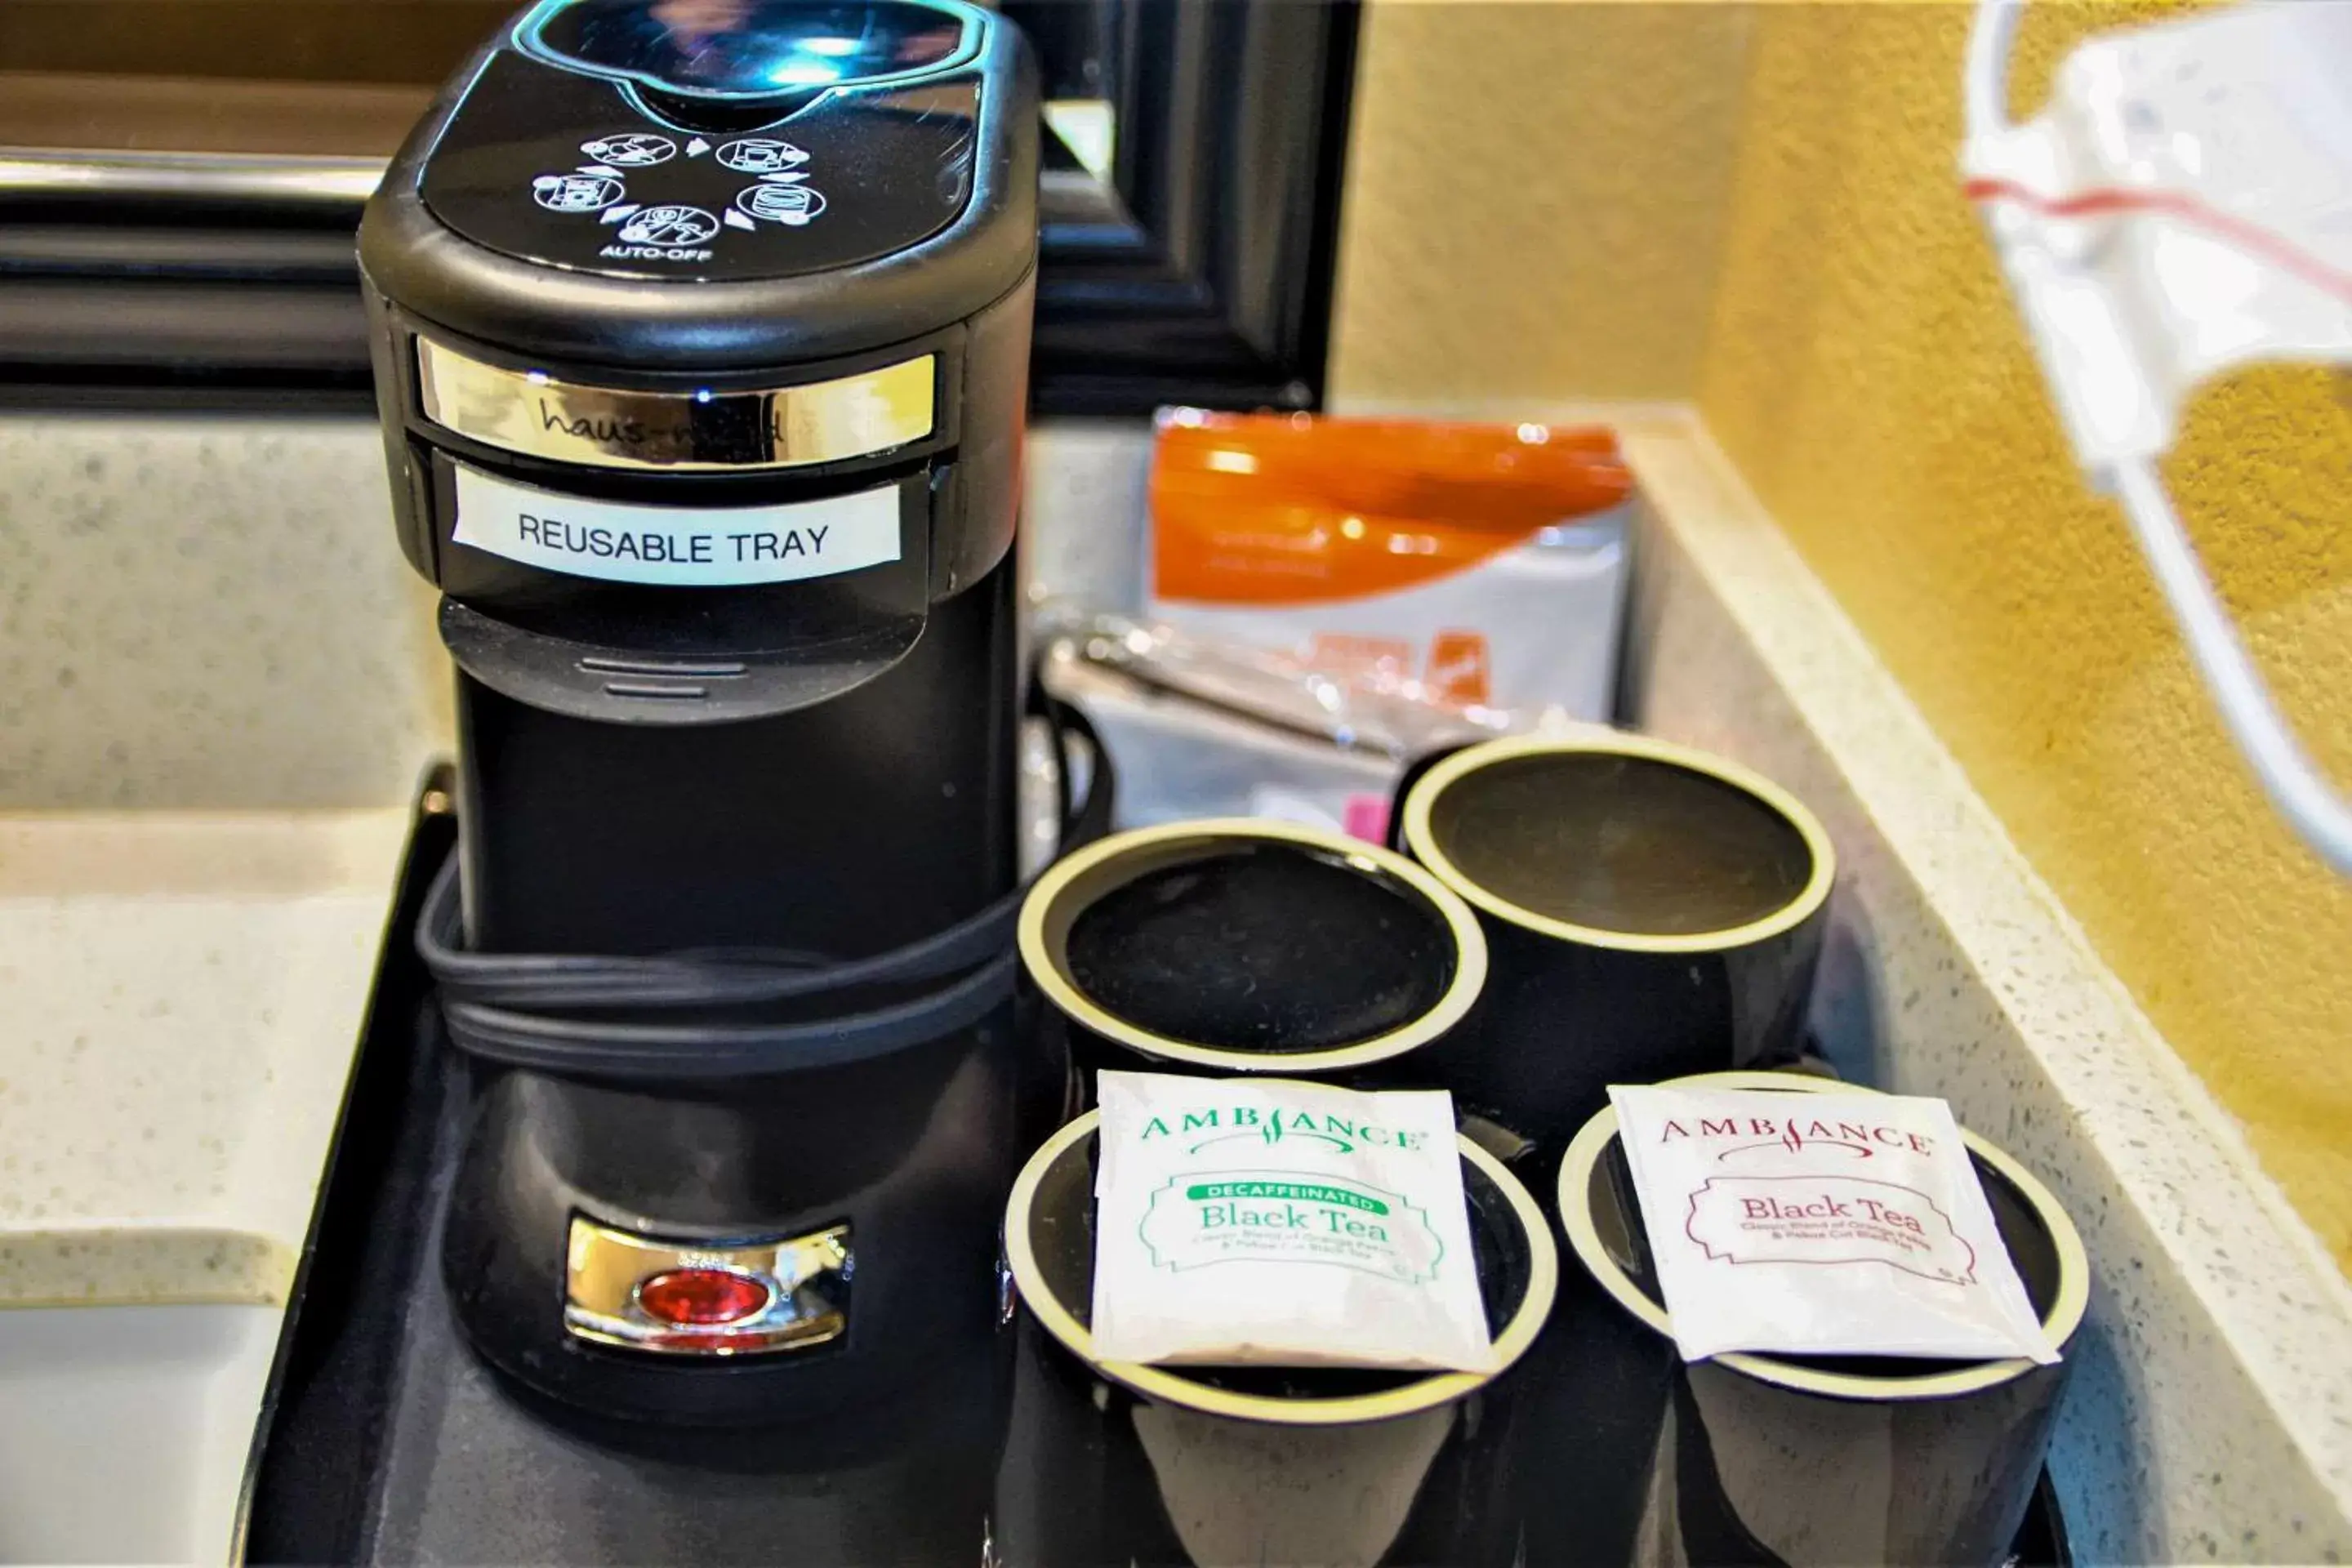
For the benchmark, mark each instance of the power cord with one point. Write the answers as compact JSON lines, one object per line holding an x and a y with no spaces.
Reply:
{"x":2297,"y":789}
{"x":526,"y":1010}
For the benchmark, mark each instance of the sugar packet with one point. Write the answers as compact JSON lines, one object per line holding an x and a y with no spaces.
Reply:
{"x":1830,"y":1224}
{"x":1282,"y":1223}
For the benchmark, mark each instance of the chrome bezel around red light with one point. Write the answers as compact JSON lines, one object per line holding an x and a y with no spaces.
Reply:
{"x":805,"y":1278}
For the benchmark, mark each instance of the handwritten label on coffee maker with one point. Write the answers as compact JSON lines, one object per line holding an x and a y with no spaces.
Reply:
{"x":677,"y":546}
{"x":703,"y":430}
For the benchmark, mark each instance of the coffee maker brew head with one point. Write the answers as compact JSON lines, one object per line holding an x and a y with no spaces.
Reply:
{"x":702,"y":333}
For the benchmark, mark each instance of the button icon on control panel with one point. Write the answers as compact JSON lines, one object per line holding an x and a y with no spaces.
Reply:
{"x":793,"y":205}
{"x":669,"y":223}
{"x":577,"y":193}
{"x":760,"y":155}
{"x":631,"y":150}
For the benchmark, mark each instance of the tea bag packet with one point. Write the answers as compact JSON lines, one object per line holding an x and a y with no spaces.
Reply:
{"x":1830,"y":1224}
{"x":1282,"y":1223}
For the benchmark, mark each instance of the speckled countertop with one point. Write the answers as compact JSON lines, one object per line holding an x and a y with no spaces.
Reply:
{"x":208,"y":619}
{"x":180,"y":994}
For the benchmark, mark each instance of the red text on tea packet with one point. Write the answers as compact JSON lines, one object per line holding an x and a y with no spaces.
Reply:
{"x":1827,"y":1219}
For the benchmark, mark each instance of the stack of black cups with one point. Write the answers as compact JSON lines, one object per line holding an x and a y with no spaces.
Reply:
{"x":1256,"y":948}
{"x":1802,"y":1459}
{"x":1555,"y":914}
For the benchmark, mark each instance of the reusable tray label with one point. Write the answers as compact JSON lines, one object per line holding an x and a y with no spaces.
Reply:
{"x":687,"y":547}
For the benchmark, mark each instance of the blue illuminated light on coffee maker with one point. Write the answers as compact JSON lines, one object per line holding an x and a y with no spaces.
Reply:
{"x":804,"y":73}
{"x":765,"y":47}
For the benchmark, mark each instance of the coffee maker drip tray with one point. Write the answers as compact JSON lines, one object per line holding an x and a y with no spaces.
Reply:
{"x":384,"y":1439}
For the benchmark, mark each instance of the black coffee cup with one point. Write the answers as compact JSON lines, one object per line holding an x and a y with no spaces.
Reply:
{"x":1650,"y":912}
{"x":1237,"y":945}
{"x":1215,"y":1466}
{"x":1809,"y":1459}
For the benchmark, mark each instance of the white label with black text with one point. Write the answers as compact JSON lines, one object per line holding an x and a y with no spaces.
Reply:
{"x":680,"y":546}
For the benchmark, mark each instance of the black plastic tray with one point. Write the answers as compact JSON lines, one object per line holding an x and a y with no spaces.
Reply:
{"x":382,"y":1439}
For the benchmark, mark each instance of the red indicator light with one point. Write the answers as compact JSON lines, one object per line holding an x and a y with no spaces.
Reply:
{"x":700,"y":1298}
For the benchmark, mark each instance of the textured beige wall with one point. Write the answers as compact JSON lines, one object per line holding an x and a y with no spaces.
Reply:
{"x":1868,"y":374}
{"x":1756,"y":206}
{"x":1536,"y":196}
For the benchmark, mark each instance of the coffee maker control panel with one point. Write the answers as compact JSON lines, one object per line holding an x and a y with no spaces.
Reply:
{"x":717,"y":141}
{"x":701,"y":331}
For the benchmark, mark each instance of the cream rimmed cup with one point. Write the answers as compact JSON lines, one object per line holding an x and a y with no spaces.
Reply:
{"x":1241,"y":945}
{"x":1323,"y":1466}
{"x":1834,"y":1459}
{"x":1650,"y":910}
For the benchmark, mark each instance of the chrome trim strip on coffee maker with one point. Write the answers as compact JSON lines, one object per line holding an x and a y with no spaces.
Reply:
{"x":794,"y":1291}
{"x":533,"y":413}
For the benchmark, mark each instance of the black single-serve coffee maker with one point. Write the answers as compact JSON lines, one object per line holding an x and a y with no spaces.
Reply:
{"x":701,"y":334}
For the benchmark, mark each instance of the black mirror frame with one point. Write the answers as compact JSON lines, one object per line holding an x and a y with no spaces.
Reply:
{"x":1206,"y":276}
{"x":1202,"y":274}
